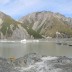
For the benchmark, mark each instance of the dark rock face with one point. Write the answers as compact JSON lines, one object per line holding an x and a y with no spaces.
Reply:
{"x":28,"y":59}
{"x":5,"y":65}
{"x":36,"y":63}
{"x":52,"y":64}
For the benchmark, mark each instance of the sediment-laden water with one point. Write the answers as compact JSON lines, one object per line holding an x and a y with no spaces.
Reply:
{"x":50,"y":47}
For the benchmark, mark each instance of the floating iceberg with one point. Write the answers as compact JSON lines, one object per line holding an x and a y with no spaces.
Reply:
{"x":25,"y":41}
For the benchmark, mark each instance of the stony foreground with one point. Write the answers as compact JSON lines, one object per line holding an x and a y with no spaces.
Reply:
{"x":36,"y":63}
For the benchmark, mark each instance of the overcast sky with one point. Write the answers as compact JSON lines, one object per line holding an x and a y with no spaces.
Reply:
{"x":19,"y":8}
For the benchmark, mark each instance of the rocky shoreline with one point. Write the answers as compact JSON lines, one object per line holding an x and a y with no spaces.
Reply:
{"x":37,"y":63}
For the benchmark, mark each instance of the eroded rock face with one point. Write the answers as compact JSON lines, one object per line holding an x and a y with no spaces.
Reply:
{"x":37,"y":63}
{"x":20,"y":33}
{"x":11,"y":29}
{"x":48,"y":23}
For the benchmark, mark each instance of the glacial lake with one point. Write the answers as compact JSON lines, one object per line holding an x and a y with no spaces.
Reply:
{"x":49,"y":47}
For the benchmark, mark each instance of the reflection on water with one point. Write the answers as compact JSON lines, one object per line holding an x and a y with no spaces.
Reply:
{"x":44,"y":47}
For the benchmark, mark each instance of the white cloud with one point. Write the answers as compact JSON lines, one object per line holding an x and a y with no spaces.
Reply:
{"x":18,"y":7}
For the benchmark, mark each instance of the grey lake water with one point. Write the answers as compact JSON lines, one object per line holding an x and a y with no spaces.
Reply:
{"x":51,"y":47}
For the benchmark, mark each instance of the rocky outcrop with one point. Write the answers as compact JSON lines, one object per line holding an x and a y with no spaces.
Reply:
{"x":20,"y":33}
{"x":27,"y":60}
{"x":48,"y":23}
{"x":37,"y":63}
{"x":11,"y":29}
{"x":51,"y":64}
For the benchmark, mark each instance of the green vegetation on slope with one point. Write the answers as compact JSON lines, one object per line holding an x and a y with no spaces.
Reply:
{"x":5,"y":27}
{"x":58,"y":26}
{"x":32,"y":32}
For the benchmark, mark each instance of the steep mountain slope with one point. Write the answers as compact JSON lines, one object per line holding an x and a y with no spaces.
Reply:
{"x":11,"y":29}
{"x":47,"y":24}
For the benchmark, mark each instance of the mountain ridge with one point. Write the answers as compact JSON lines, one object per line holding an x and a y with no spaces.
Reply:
{"x":11,"y":29}
{"x":36,"y":25}
{"x":48,"y":23}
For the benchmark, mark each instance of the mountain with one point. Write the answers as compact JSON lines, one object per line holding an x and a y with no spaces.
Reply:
{"x":43,"y":24}
{"x":48,"y":24}
{"x":11,"y":29}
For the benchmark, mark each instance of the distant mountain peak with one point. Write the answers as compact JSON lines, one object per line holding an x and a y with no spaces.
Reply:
{"x":47,"y":23}
{"x":1,"y":12}
{"x":3,"y":15}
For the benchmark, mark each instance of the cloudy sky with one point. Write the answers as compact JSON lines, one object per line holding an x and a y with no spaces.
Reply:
{"x":19,"y":8}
